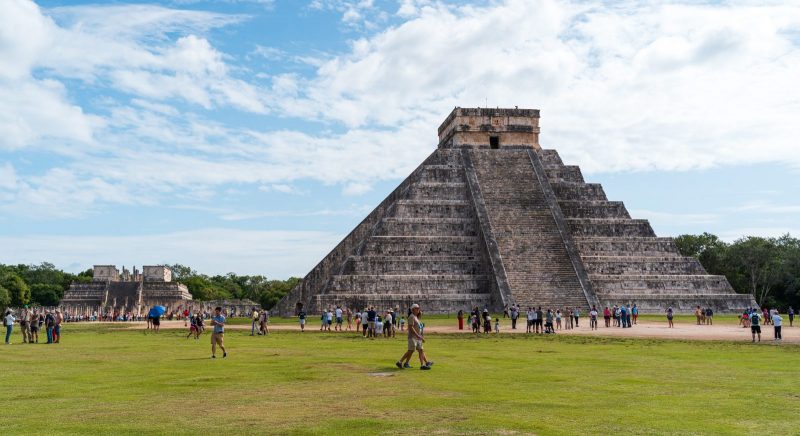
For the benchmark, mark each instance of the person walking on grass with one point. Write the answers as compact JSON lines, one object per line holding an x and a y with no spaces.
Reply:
{"x":415,"y":341}
{"x":254,"y":316}
{"x":301,"y":316}
{"x":670,"y":315}
{"x":538,"y":326}
{"x":791,"y":316}
{"x":218,"y":321}
{"x":264,"y":321}
{"x":635,"y":313}
{"x":709,"y":316}
{"x":755,"y":325}
{"x":777,"y":322}
{"x":348,"y":314}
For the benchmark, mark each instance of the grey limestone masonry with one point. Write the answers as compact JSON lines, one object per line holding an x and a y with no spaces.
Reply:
{"x":490,"y":219}
{"x":110,"y":290}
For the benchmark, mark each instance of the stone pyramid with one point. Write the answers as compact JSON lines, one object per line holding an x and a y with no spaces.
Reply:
{"x":492,"y":219}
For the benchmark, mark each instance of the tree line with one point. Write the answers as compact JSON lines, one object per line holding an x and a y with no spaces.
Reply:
{"x":44,"y":285}
{"x":766,"y":268}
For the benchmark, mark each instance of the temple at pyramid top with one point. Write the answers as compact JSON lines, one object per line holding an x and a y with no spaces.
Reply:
{"x":491,"y":219}
{"x":490,"y":128}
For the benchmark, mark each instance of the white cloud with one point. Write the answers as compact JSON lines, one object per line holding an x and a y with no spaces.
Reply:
{"x":8,"y":176}
{"x":277,"y":254}
{"x":355,"y":188}
{"x":283,"y":189}
{"x":630,"y":86}
{"x":622,"y":87}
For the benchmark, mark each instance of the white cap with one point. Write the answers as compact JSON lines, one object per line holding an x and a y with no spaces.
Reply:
{"x":415,"y":306}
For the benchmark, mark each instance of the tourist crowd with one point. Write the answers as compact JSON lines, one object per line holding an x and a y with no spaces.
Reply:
{"x":31,"y":322}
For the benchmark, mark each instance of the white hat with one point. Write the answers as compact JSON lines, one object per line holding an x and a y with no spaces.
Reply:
{"x":415,"y":306}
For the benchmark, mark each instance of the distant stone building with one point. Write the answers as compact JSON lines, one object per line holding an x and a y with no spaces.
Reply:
{"x":491,"y":219}
{"x":128,"y":291}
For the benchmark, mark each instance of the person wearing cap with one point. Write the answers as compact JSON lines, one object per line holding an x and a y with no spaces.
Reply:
{"x":415,"y":341}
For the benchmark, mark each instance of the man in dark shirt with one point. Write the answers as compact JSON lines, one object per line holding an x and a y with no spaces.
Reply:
{"x":755,"y":327}
{"x":539,"y":320}
{"x":371,"y":314}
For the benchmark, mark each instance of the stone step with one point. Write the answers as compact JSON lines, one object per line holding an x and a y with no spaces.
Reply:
{"x":659,"y":284}
{"x":529,"y":242}
{"x":550,"y":158}
{"x":579,"y":191}
{"x":433,"y":208}
{"x":593,"y":209}
{"x":625,"y":246}
{"x":428,"y":227}
{"x":442,"y":173}
{"x":413,"y":265}
{"x":642,"y":265}
{"x":438,"y":191}
{"x":565,"y":173}
{"x":411,"y":284}
{"x":581,"y":227}
{"x":423,"y":245}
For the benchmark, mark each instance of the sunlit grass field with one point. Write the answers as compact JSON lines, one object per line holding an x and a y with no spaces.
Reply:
{"x":110,"y":379}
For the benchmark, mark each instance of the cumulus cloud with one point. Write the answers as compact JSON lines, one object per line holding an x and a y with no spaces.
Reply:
{"x":622,"y":86}
{"x":641,"y":86}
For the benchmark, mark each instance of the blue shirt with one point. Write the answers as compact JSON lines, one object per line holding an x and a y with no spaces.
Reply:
{"x":219,"y":328}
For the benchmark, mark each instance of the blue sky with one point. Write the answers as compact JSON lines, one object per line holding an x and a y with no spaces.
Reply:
{"x":251,"y":136}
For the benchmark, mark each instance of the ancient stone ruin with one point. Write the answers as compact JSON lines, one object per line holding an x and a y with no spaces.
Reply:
{"x":132,"y":292}
{"x":492,"y":219}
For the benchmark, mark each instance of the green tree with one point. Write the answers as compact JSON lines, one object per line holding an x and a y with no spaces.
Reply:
{"x":46,"y":294}
{"x":17,"y":288}
{"x":706,"y":248}
{"x":757,"y":264}
{"x":5,"y":298}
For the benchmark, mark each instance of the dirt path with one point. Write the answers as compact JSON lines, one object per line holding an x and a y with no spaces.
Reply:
{"x":644,"y":329}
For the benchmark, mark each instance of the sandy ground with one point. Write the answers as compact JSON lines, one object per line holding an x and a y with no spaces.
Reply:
{"x":644,"y":329}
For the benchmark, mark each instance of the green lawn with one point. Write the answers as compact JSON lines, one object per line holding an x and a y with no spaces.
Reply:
{"x":109,"y":380}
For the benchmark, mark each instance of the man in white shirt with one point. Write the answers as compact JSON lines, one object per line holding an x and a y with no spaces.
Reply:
{"x":777,"y":321}
{"x":531,"y":314}
{"x":8,"y":321}
{"x":338,"y":318}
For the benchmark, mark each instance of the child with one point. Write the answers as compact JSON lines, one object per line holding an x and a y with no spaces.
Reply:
{"x":497,"y":325}
{"x":402,"y":323}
